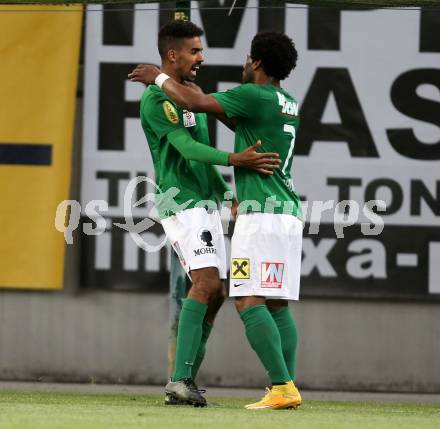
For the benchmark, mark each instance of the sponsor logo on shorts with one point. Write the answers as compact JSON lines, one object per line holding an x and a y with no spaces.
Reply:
{"x":272,"y":275}
{"x":204,"y":251}
{"x":240,"y":268}
{"x":179,"y":253}
{"x":238,"y":284}
{"x":205,"y":237}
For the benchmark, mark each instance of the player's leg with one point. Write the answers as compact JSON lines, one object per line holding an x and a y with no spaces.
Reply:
{"x":189,"y":329}
{"x":205,"y":284}
{"x":214,"y":305}
{"x":252,"y":245}
{"x":263,"y":336}
{"x":291,"y":229}
{"x":197,"y":237}
{"x":288,"y":331}
{"x":259,"y":254}
{"x":216,"y":299}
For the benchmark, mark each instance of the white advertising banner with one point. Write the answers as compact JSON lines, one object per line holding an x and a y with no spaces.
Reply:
{"x":368,"y":83}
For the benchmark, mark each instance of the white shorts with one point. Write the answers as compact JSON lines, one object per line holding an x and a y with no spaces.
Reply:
{"x":197,"y":237}
{"x":266,"y":256}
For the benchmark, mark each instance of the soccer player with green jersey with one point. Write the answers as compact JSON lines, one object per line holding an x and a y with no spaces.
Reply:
{"x":267,"y":241}
{"x":188,"y":182}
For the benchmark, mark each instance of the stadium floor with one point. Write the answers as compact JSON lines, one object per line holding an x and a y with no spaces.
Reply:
{"x":427,"y":398}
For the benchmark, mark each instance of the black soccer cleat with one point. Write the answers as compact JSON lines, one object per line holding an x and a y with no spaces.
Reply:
{"x":172,"y":400}
{"x":186,"y":390}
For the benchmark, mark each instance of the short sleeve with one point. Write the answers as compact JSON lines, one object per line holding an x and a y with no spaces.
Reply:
{"x":161,"y":115}
{"x":241,"y":101}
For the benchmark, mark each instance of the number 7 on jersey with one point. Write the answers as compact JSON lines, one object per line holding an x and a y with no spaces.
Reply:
{"x":289,"y":129}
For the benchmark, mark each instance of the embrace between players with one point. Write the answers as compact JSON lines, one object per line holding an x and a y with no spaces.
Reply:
{"x":266,"y":244}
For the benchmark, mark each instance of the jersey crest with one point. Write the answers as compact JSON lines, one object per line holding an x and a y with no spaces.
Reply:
{"x":170,"y":112}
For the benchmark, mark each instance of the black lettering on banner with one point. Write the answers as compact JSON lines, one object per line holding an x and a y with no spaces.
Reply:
{"x":141,"y":190}
{"x":113,"y":109}
{"x":324,"y":29}
{"x":353,"y":129}
{"x":166,"y":12}
{"x":118,"y":25}
{"x":406,"y":100}
{"x":270,"y":18}
{"x":396,"y":195}
{"x":113,"y":178}
{"x":419,"y":193}
{"x":344,"y":184}
{"x":25,"y":154}
{"x":214,"y":19}
{"x":429,"y":34}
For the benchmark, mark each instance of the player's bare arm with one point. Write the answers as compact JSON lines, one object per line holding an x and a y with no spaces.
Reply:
{"x":263,"y":163}
{"x":229,"y":122}
{"x":185,"y":96}
{"x":145,"y":72}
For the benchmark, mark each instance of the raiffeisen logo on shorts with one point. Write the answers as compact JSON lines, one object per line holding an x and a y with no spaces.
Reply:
{"x":240,"y":268}
{"x":272,"y":274}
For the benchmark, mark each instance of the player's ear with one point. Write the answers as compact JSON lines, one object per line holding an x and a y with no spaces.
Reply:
{"x":256,"y":64}
{"x":171,"y":56}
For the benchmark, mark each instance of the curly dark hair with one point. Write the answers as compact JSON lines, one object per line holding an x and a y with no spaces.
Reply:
{"x":277,"y":53}
{"x":173,"y":32}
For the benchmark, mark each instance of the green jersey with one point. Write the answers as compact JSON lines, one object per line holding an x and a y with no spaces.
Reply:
{"x":160,"y":116}
{"x":270,"y":114}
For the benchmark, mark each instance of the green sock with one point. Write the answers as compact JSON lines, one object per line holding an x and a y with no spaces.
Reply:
{"x":289,"y":337}
{"x":189,"y":333}
{"x":263,"y":335}
{"x":206,"y":330}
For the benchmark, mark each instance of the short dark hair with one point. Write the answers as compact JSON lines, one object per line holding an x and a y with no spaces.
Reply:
{"x":172,"y":33}
{"x":277,"y":53}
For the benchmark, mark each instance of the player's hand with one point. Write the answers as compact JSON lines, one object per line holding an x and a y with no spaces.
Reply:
{"x":264,"y":162}
{"x":145,"y":73}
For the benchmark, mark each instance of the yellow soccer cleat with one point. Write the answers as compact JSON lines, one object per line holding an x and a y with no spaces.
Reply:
{"x":278,"y":398}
